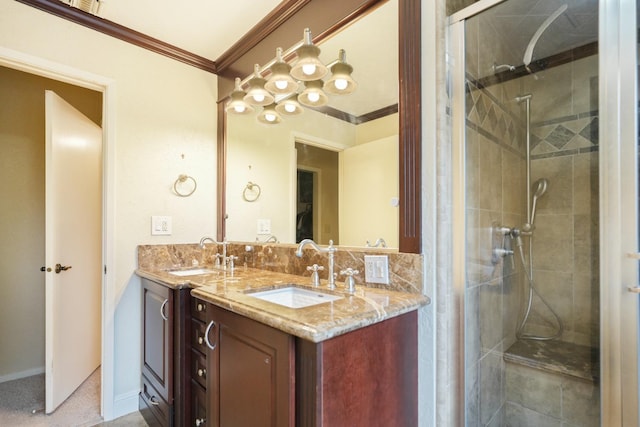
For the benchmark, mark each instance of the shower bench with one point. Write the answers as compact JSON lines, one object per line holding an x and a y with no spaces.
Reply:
{"x":549,"y":382}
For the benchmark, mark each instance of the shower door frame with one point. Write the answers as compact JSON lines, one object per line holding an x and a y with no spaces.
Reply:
{"x":618,"y":180}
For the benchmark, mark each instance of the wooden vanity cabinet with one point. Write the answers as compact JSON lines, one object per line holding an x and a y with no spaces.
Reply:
{"x":260,"y":376}
{"x":365,"y":378}
{"x":250,"y":372}
{"x":166,"y":326}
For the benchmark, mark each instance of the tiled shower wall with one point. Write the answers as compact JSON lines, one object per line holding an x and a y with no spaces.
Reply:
{"x":495,"y":169}
{"x":564,"y":111}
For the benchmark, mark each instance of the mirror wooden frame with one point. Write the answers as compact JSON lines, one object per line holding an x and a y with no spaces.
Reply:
{"x":282,"y":27}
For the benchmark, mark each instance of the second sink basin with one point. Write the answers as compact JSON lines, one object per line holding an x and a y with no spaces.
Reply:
{"x":294,"y":297}
{"x":192,"y":272}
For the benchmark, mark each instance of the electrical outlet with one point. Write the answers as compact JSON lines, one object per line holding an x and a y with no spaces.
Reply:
{"x":376,"y":269}
{"x":160,"y":225}
{"x":264,"y":226}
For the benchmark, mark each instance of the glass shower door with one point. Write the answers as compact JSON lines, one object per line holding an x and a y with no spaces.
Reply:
{"x":595,"y":220}
{"x":619,"y":254}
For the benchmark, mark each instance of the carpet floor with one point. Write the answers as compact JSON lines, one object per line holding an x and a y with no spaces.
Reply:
{"x":22,"y":404}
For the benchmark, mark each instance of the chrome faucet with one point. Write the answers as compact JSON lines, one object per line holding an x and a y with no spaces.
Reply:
{"x":380,"y":242}
{"x":224,"y":244}
{"x":329,"y":250}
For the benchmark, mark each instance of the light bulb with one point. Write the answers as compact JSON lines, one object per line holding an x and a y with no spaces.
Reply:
{"x":309,"y":69}
{"x":314,"y":96}
{"x":259,"y":97}
{"x":281,"y":84}
{"x":341,"y":84}
{"x":270,"y":117}
{"x":289,"y":107}
{"x":239,"y":108}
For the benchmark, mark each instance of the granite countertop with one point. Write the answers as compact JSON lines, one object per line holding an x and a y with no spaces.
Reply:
{"x":231,"y":291}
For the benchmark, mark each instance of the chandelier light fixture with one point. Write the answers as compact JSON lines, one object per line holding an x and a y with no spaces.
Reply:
{"x":292,"y":78}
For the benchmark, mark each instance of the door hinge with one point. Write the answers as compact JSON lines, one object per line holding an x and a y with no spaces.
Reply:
{"x":105,"y":269}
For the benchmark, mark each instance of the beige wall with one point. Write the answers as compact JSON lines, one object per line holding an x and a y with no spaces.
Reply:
{"x":369,"y":181}
{"x":22,"y":132}
{"x":164,"y":125}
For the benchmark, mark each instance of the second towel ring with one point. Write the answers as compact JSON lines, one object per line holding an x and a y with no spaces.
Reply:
{"x":253,"y":195}
{"x":181,"y":180}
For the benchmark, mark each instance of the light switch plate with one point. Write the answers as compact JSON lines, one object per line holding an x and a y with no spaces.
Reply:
{"x":376,"y":269}
{"x":264,"y":226}
{"x":160,"y":225}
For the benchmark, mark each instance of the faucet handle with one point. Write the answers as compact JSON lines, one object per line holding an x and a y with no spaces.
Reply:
{"x":315,"y":278}
{"x":349,"y":282}
{"x":232,"y":259}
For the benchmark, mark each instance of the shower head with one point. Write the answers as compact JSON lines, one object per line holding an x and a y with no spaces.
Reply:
{"x":528,"y":53}
{"x":540,"y":188}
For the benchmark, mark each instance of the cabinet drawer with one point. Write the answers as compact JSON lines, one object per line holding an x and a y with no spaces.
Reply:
{"x":199,"y":309}
{"x":199,"y":405}
{"x":199,"y":368}
{"x":197,"y":336}
{"x":155,"y":410}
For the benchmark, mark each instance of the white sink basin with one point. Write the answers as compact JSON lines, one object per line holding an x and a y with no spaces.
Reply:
{"x":293,"y":297}
{"x":192,"y":272}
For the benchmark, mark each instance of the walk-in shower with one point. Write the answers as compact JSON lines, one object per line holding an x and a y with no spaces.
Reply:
{"x":530,"y":166}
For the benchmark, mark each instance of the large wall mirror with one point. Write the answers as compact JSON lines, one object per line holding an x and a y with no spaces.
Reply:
{"x":348,"y":172}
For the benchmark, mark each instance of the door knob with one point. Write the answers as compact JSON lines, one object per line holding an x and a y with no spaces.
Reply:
{"x":60,"y":268}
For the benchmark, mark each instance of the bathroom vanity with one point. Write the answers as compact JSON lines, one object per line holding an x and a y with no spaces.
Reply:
{"x":223,"y":356}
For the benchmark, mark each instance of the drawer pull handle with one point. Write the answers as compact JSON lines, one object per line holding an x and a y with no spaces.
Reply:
{"x":154,"y":401}
{"x":164,"y":304}
{"x":202,"y":372}
{"x":206,"y":336}
{"x":200,"y":307}
{"x":200,"y":421}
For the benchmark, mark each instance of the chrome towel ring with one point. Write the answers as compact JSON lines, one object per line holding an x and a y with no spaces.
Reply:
{"x":182,"y":188}
{"x":251,"y":192}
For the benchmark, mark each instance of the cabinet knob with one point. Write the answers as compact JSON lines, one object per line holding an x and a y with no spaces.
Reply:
{"x":200,"y":340}
{"x":200,"y":421}
{"x":200,"y":307}
{"x":202,"y":372}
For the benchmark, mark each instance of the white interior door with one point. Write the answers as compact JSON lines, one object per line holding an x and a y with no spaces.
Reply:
{"x":73,"y":244}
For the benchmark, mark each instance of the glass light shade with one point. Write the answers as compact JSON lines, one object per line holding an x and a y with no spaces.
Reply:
{"x":236,"y":104}
{"x":269,"y":115}
{"x":308,"y":66}
{"x":313,"y":96}
{"x":341,"y":82}
{"x":256,"y":94}
{"x":280,"y":82}
{"x":289,"y":107}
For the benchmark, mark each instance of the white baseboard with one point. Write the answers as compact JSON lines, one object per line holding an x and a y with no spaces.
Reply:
{"x":124,"y":404}
{"x":23,"y":374}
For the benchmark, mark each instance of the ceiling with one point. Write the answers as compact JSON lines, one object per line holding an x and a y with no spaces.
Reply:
{"x":206,"y":28}
{"x":210,"y":28}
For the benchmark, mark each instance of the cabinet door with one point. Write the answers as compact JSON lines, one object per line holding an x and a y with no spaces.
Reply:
{"x":157,"y":360}
{"x":250,"y":380}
